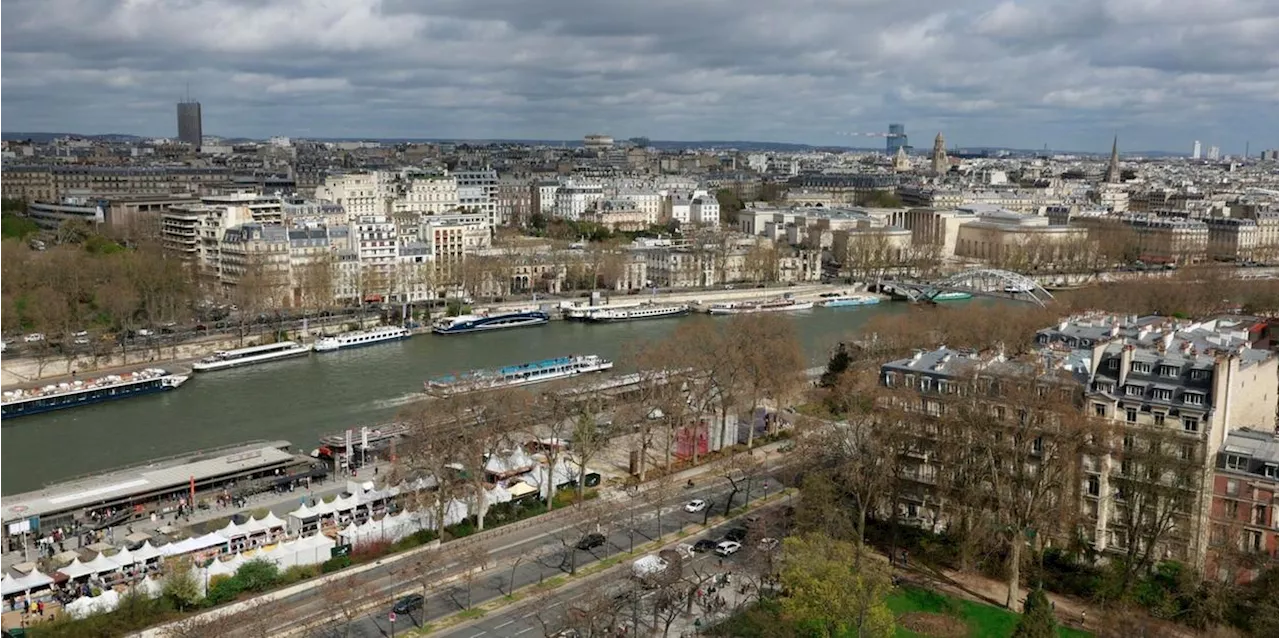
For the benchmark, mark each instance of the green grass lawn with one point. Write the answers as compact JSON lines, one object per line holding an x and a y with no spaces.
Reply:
{"x":983,"y":620}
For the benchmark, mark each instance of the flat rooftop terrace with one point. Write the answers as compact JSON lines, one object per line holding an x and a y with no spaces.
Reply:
{"x":146,"y":478}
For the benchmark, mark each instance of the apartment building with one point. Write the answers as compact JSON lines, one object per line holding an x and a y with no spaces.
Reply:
{"x":1011,"y":239}
{"x":478,"y":192}
{"x":360,"y":193}
{"x":514,"y":199}
{"x":52,"y":183}
{"x":1159,"y":239}
{"x":574,"y":198}
{"x":542,"y":196}
{"x":1243,"y":541}
{"x":51,"y":215}
{"x":618,"y":214}
{"x":1232,"y":239}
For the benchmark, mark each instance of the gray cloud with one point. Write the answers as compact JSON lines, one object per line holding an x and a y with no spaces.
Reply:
{"x":1066,"y":73}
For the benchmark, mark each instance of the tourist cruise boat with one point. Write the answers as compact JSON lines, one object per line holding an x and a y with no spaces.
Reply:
{"x":954,"y":295}
{"x":70,"y":394}
{"x":842,"y":300}
{"x":362,"y":338}
{"x":251,"y":355}
{"x":583,"y":313}
{"x":523,"y":374}
{"x":638,"y":313}
{"x":747,"y":307}
{"x":486,"y":321}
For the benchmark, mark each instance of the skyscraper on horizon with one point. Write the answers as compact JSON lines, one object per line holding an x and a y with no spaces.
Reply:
{"x":896,"y":139}
{"x":1195,"y":150}
{"x":1213,"y":154}
{"x":190,"y":129}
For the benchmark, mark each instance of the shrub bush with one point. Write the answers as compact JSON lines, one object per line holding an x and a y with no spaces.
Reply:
{"x":222,"y":589}
{"x":298,"y":573}
{"x":257,"y":575}
{"x":334,"y":564}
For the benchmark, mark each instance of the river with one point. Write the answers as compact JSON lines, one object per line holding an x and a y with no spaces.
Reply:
{"x":299,"y":400}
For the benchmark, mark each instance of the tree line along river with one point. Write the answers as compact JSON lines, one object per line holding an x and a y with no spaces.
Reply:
{"x":299,"y":400}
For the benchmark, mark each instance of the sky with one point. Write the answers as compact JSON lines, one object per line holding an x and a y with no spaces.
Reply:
{"x":1069,"y":73}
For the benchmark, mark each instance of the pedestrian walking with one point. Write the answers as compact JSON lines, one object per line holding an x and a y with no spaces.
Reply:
{"x":40,"y":608}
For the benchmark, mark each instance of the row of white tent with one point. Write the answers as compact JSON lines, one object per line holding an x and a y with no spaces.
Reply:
{"x":252,"y":526}
{"x":394,"y":527}
{"x":309,"y":550}
{"x":28,"y":582}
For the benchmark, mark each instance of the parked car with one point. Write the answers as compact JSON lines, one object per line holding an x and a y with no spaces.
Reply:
{"x":34,"y":337}
{"x":696,"y":505}
{"x":80,"y":333}
{"x":412,"y":602}
{"x":704,"y":545}
{"x":768,"y":544}
{"x":591,"y":541}
{"x":737,"y":534}
{"x":726,"y":548}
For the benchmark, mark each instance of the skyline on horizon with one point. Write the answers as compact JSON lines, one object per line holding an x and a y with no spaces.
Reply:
{"x":798,"y":74}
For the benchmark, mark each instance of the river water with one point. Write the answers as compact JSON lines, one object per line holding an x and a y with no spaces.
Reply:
{"x":298,"y":400}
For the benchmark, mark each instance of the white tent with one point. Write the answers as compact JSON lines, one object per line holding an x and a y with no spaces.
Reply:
{"x":212,"y":539}
{"x":313,"y":549}
{"x":497,"y":494}
{"x":6,"y":584}
{"x":233,"y":531}
{"x":76,"y":569}
{"x":149,"y":587}
{"x":236,"y":561}
{"x":514,"y":462}
{"x":455,"y":512}
{"x":31,"y":581}
{"x":302,"y":513}
{"x":322,"y":509}
{"x":85,"y":606}
{"x":218,"y":568}
{"x":124,"y":557}
{"x":344,"y":503}
{"x":253,"y":526}
{"x":148,"y":552}
{"x":101,"y":564}
{"x":271,"y":521}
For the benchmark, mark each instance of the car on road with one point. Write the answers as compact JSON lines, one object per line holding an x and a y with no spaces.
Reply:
{"x":704,"y":545}
{"x":591,"y":541}
{"x":412,"y":602}
{"x":696,"y":505}
{"x":81,"y":341}
{"x":726,"y":548}
{"x":768,"y":544}
{"x":34,"y":337}
{"x":80,"y":333}
{"x":737,"y":534}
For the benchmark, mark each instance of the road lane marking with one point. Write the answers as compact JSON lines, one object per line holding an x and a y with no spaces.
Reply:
{"x":504,"y":624}
{"x":524,"y":630}
{"x":480,"y":634}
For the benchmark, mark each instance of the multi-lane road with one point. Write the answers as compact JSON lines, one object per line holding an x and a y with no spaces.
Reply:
{"x":525,"y":557}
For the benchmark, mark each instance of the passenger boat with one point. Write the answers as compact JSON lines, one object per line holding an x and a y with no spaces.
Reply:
{"x":583,"y":313}
{"x":70,"y":394}
{"x":638,"y":313}
{"x":524,"y":374}
{"x":486,"y":321}
{"x":362,"y":338}
{"x":952,"y":295}
{"x":251,"y":355}
{"x":747,"y":307}
{"x":843,"y":300}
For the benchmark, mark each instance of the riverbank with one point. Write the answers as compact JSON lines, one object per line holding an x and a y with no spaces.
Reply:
{"x":25,"y":372}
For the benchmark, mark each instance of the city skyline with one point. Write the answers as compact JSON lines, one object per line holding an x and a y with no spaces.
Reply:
{"x":504,"y":71}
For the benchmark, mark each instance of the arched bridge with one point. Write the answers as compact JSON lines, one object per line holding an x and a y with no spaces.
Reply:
{"x":988,"y":282}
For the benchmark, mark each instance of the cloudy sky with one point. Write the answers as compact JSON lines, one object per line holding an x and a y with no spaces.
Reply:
{"x":1068,"y":73}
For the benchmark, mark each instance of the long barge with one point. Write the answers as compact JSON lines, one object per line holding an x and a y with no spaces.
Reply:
{"x":248,"y":356}
{"x":517,"y":375}
{"x":72,"y":394}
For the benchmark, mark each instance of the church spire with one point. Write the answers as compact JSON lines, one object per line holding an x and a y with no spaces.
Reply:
{"x":1113,"y":167}
{"x":939,"y":162}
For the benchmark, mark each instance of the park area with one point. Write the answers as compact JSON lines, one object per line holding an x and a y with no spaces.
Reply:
{"x":921,"y":612}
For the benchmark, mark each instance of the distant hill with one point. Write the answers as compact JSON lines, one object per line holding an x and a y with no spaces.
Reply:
{"x":42,"y":137}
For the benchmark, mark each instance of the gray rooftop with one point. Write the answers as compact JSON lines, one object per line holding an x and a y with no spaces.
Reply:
{"x":163,"y":474}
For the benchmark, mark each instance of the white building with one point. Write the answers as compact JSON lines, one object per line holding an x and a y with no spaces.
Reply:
{"x":478,"y":191}
{"x":1195,"y":150}
{"x":363,"y":193}
{"x":646,"y":201}
{"x":574,"y":198}
{"x":431,"y":195}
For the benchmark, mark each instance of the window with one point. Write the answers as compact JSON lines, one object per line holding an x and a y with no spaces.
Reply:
{"x":1188,"y":452}
{"x":1140,"y":367}
{"x":1251,"y":541}
{"x":1259,"y":515}
{"x":1128,"y":442}
{"x":1113,"y":364}
{"x":1199,"y":375}
{"x":1271,"y":471}
{"x":1168,"y":371}
{"x":1237,"y":462}
{"x":1233,"y":488}
{"x":1099,"y":409}
{"x":1158,"y":418}
{"x":1126,"y":467}
{"x":1162,"y":394}
{"x":1191,"y":425}
{"x":1131,"y":415}
{"x":1037,"y":446}
{"x":1133,"y":390}
{"x":1193,"y":398}
{"x":1093,"y":486}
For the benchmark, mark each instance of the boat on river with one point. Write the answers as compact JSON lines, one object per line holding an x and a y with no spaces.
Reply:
{"x":358,"y":338}
{"x":517,"y":375}
{"x":952,"y":295}
{"x":70,"y":394}
{"x":638,"y":313}
{"x":844,"y":300}
{"x":749,"y":307}
{"x":248,"y":356}
{"x":490,"y":321}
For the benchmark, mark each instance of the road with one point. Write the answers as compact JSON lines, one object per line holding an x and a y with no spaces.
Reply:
{"x":526,"y":557}
{"x":629,"y":603}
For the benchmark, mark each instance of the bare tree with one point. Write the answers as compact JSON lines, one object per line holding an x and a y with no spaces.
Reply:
{"x":475,"y":559}
{"x":772,"y":361}
{"x":741,"y":471}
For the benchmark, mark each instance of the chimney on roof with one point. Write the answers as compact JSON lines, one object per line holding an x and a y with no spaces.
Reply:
{"x":1063,"y":325}
{"x":1115,"y":329}
{"x":1166,"y":341}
